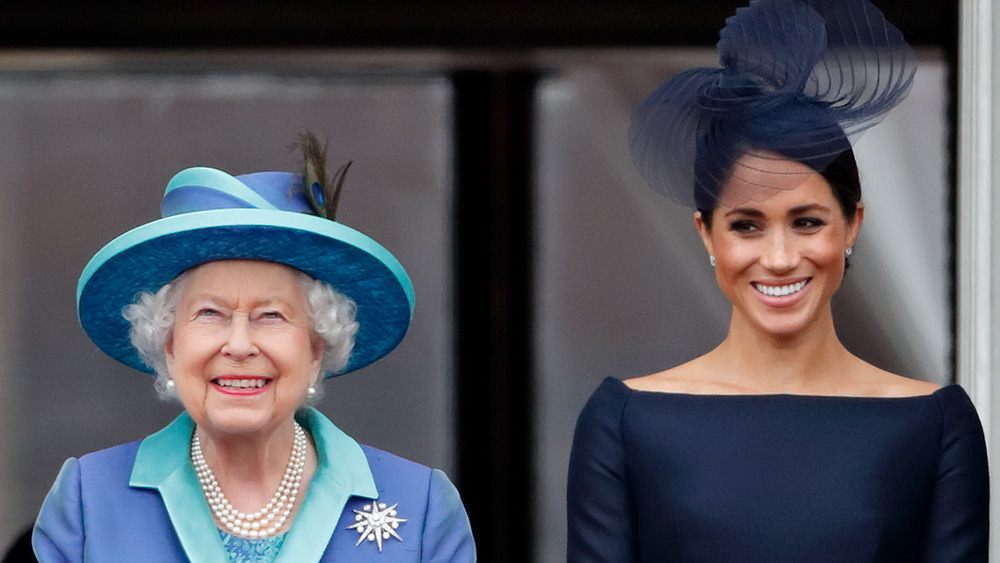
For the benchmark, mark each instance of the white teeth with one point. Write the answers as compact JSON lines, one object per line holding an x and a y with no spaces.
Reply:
{"x":254,"y":383}
{"x":780,"y":290}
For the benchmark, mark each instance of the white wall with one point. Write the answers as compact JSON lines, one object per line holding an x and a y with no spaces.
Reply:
{"x":978,"y":275}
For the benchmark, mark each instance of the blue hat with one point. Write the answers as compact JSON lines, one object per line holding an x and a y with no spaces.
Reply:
{"x":210,"y":215}
{"x":800,"y":79}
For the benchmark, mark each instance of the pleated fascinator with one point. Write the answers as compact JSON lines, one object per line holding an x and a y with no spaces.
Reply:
{"x":799,"y":80}
{"x":280,"y":217}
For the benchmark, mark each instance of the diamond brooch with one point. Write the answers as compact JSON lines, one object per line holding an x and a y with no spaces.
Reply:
{"x":376,"y":522}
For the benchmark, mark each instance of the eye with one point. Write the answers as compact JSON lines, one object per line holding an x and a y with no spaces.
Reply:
{"x":744,"y":226}
{"x":207,"y":312}
{"x":808,"y":223}
{"x":270,"y":315}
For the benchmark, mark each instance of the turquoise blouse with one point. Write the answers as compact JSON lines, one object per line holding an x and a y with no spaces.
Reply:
{"x":246,"y":550}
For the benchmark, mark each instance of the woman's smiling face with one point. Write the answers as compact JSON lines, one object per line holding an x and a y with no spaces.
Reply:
{"x":780,"y":260}
{"x":242,"y":353}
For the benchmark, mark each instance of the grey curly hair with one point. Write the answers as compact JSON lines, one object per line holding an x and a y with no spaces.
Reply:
{"x":331,"y":318}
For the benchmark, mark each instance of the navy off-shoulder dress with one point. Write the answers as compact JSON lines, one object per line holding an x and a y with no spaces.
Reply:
{"x":779,"y":478}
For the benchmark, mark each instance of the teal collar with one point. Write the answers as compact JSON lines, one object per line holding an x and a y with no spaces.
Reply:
{"x":163,"y":463}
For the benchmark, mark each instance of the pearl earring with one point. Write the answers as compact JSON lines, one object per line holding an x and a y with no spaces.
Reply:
{"x":170,"y":385}
{"x":711,"y":260}
{"x":311,"y":391}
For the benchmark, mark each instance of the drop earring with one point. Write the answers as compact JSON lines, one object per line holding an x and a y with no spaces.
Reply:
{"x":849,"y":251}
{"x":711,"y":260}
{"x":311,"y":391}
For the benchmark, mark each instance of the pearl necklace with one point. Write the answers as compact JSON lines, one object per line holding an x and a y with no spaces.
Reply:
{"x":268,"y":520}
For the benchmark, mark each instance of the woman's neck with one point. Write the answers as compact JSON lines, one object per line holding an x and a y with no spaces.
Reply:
{"x":248,"y":468}
{"x":812,"y":360}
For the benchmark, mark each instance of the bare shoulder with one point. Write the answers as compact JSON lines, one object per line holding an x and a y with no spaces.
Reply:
{"x":881,"y":383}
{"x":905,"y":387}
{"x":688,"y":378}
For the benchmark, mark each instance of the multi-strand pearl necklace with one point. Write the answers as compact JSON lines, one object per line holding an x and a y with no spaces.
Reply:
{"x":268,"y":520}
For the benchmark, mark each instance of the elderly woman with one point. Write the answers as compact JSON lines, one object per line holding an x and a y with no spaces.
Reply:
{"x":240,"y":300}
{"x":779,"y":444}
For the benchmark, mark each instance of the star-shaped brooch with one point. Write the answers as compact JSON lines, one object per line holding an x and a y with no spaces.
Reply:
{"x":376,"y":522}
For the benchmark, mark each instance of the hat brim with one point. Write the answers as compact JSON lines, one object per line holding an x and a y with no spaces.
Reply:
{"x":150,"y":256}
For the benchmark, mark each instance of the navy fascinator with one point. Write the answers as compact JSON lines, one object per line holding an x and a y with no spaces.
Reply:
{"x":799,"y":80}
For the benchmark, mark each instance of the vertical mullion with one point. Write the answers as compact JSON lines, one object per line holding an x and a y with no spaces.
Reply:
{"x":493,"y":256}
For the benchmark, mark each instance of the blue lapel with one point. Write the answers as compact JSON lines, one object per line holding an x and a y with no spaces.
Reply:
{"x":163,"y":463}
{"x":343,"y":472}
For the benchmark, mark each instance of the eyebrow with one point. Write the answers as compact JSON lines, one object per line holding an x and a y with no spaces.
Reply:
{"x":220,"y":301}
{"x":745,"y":211}
{"x":807,"y":207}
{"x":798,"y":210}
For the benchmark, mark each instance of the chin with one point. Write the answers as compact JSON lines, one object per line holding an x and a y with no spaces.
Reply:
{"x":784,"y":332}
{"x":242,"y":421}
{"x":784,"y":326}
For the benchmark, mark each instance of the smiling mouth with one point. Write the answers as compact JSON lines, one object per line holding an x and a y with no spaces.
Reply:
{"x":248,"y":384}
{"x":780,"y":290}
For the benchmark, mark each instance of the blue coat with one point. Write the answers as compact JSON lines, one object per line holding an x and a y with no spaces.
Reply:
{"x":141,"y":502}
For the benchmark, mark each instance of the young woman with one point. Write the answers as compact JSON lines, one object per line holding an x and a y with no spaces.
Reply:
{"x":779,"y":444}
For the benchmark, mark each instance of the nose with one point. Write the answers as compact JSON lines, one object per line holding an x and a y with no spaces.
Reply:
{"x":240,"y":344}
{"x":779,"y":254}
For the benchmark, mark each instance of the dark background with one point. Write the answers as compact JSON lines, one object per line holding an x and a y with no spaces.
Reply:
{"x":386,"y":23}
